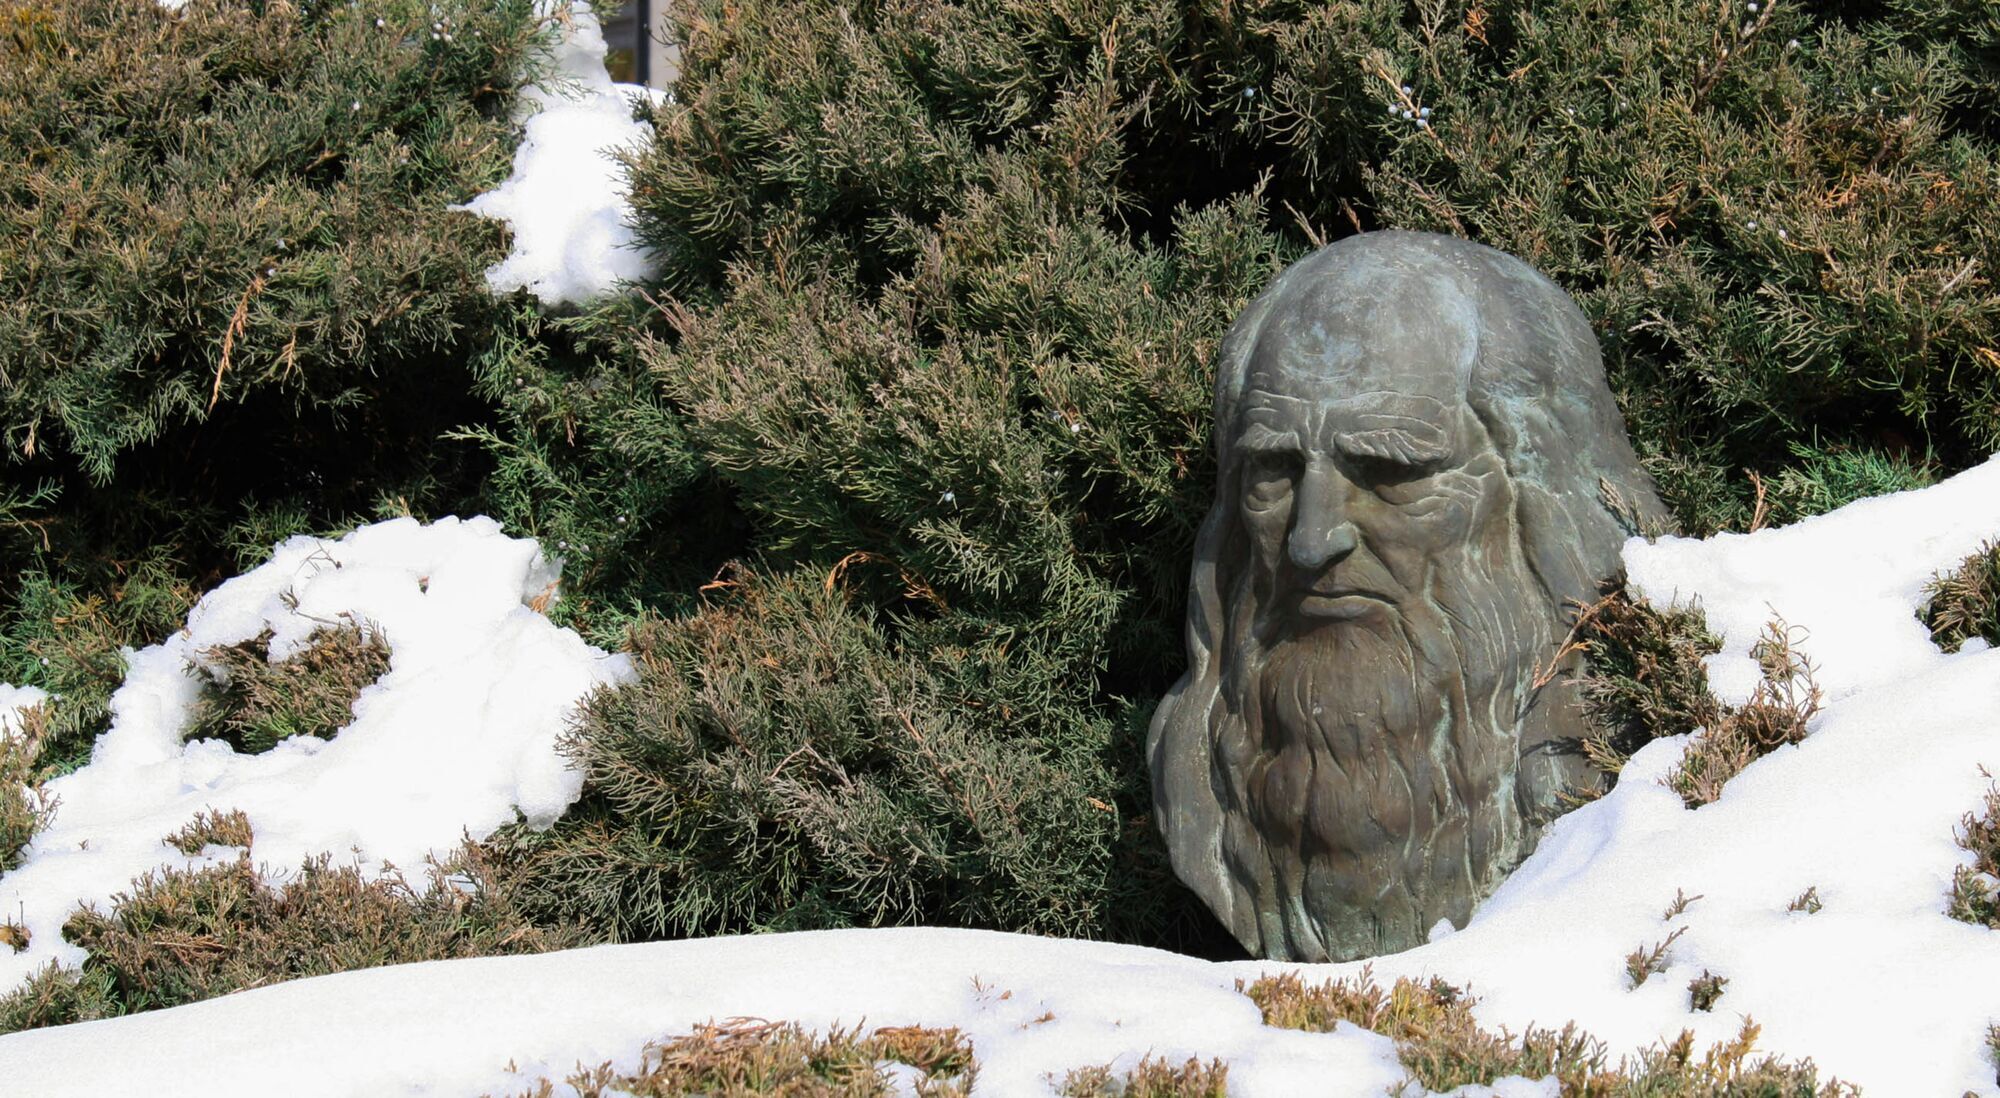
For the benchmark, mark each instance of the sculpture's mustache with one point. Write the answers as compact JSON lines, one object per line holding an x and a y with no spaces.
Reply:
{"x":1349,"y":590}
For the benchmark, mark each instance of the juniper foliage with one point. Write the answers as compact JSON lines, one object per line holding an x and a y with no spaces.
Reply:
{"x":782,"y":763}
{"x":1643,"y":677}
{"x":941,"y":285}
{"x":1779,"y":221}
{"x":181,"y":936}
{"x":1964,"y":603}
{"x":234,"y":301}
{"x":750,"y":1056}
{"x":1443,"y":1047}
{"x":252,"y":702}
{"x":1975,"y":889}
{"x":228,"y":200}
{"x":25,"y":807}
{"x":65,"y":635}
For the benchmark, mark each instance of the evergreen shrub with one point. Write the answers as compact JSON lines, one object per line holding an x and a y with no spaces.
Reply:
{"x":212,"y":828}
{"x":782,"y":764}
{"x":1643,"y":677}
{"x":251,"y":702}
{"x":747,"y":1056}
{"x":939,"y":293}
{"x":1149,"y":1078}
{"x":64,"y":633}
{"x":1780,"y":221}
{"x":24,"y":807}
{"x":235,"y":303}
{"x":1443,"y":1047}
{"x":1778,"y":712}
{"x":1964,"y":603}
{"x":181,"y":936}
{"x":940,"y":287}
{"x":229,"y":208}
{"x":1975,"y":889}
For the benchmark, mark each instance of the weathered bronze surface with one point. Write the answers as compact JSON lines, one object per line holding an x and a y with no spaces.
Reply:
{"x":1420,"y":464}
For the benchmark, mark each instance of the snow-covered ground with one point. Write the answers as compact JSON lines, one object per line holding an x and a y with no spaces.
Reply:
{"x":565,"y":202}
{"x":1879,"y":987}
{"x":459,"y":733}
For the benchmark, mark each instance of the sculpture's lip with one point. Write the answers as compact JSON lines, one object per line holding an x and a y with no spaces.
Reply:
{"x":1341,"y":602}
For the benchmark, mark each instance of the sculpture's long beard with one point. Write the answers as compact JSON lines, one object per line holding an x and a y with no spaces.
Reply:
{"x":1377,"y":789}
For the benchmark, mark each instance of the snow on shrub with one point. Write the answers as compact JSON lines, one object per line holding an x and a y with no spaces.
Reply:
{"x":456,"y":737}
{"x":24,"y":807}
{"x":566,"y":199}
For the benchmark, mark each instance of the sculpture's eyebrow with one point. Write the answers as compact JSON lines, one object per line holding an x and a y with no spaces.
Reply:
{"x":1260,"y":439}
{"x":1397,"y":429}
{"x":1408,"y":442}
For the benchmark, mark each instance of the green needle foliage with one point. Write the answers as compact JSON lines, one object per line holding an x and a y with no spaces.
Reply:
{"x":1975,"y":888}
{"x":783,"y":764}
{"x":929,"y":358}
{"x":234,"y":199}
{"x":1965,"y":602}
{"x":940,"y":289}
{"x":747,"y":1057}
{"x":1149,"y":1078}
{"x":24,"y":807}
{"x":1779,"y":220}
{"x":1643,"y":677}
{"x":235,"y":302}
{"x":65,"y":636}
{"x":181,"y":936}
{"x":252,"y":702}
{"x":1443,"y":1047}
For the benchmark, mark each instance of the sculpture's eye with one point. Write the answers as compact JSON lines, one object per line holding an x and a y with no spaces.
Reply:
{"x":1268,"y":478}
{"x":1379,"y":472}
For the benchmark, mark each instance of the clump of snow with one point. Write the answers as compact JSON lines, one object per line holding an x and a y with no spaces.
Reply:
{"x":1879,"y":987}
{"x":1031,"y":1006}
{"x":566,"y":200}
{"x":458,"y":734}
{"x":1853,"y":579}
{"x":13,"y":699}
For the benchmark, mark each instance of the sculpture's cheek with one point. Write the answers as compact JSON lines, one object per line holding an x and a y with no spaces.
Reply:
{"x":1451,"y":508}
{"x":1267,"y":525}
{"x":1433,"y":513}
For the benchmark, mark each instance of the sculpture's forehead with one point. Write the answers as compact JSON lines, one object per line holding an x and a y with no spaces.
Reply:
{"x":1374,"y":353}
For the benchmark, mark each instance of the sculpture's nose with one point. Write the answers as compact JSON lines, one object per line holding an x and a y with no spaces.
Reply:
{"x":1321,"y":533}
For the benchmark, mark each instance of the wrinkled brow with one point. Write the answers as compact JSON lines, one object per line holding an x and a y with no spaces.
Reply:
{"x":1398,"y":438}
{"x":1260,"y":439}
{"x":1401,"y":427}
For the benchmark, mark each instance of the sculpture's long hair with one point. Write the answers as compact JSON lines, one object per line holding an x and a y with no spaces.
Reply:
{"x":1536,"y":384}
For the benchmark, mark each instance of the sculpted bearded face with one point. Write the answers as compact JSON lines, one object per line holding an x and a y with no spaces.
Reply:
{"x":1419,"y":463}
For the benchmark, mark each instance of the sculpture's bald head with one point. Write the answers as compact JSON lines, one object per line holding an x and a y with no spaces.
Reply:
{"x":1408,"y":490}
{"x":1382,"y":320}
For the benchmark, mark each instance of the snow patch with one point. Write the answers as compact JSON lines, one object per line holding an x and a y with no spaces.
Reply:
{"x":13,"y":699}
{"x":1851,"y":579}
{"x":458,"y":734}
{"x":1032,"y":1007}
{"x":566,"y":201}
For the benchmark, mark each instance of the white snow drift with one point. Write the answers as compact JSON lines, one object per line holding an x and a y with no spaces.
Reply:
{"x":573,"y":237}
{"x":455,"y":737}
{"x":1879,"y":987}
{"x":13,"y":699}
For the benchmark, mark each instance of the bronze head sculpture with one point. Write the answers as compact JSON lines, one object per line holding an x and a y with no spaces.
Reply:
{"x":1420,"y":465}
